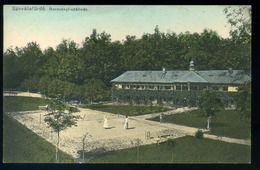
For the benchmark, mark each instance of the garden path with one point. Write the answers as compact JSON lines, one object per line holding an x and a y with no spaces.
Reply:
{"x":100,"y":140}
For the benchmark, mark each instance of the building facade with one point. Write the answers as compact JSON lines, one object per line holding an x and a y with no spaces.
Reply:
{"x":175,"y":82}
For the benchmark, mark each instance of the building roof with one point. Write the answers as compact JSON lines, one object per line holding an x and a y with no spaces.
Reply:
{"x":177,"y":76}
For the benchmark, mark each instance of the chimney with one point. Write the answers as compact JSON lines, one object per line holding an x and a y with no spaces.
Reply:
{"x":230,"y":70}
{"x":164,"y":70}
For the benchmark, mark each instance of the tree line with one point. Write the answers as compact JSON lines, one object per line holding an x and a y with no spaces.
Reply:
{"x":84,"y":73}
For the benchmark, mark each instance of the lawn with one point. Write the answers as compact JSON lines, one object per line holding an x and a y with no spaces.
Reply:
{"x":19,"y":103}
{"x":224,"y":123}
{"x":21,"y":145}
{"x":126,"y":110}
{"x":187,"y":150}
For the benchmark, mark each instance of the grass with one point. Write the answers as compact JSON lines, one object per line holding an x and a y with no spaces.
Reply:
{"x":21,"y":145}
{"x":126,"y":110}
{"x":224,"y":123}
{"x":19,"y":103}
{"x":187,"y":150}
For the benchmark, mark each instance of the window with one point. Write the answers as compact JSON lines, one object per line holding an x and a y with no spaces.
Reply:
{"x":178,"y":87}
{"x":167,"y":87}
{"x":193,"y":88}
{"x":151,"y":87}
{"x":215,"y":88}
{"x":202,"y":87}
{"x":123,"y":86}
{"x":184,"y":87}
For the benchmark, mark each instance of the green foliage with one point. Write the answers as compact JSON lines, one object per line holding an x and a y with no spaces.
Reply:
{"x":12,"y":70}
{"x":188,"y":150}
{"x":151,"y":106}
{"x":72,"y":67}
{"x":94,"y":90}
{"x":177,"y":97}
{"x":131,"y":103}
{"x":199,"y":134}
{"x":239,"y":17}
{"x":161,"y":106}
{"x":43,"y":85}
{"x":224,"y":123}
{"x":58,"y":119}
{"x":243,"y":100}
{"x":30,"y":84}
{"x":172,"y":144}
{"x":126,"y":110}
{"x":209,"y":103}
{"x":21,"y":145}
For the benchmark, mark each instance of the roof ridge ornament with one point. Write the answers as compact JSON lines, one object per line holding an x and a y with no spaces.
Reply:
{"x":164,"y":70}
{"x":192,"y":65}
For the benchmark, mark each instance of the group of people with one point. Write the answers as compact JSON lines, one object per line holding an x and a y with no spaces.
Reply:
{"x":126,"y":122}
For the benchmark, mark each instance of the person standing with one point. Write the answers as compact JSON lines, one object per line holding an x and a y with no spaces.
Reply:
{"x":209,"y":120}
{"x":126,"y":123}
{"x":105,"y":122}
{"x":161,"y":117}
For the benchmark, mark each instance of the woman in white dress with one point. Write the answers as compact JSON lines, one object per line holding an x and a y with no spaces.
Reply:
{"x":105,"y":122}
{"x":126,"y":123}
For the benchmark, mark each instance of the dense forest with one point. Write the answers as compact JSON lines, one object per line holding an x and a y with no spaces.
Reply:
{"x":71,"y":72}
{"x":84,"y":72}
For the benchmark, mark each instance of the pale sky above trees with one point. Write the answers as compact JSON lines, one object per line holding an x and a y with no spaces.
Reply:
{"x":48,"y":28}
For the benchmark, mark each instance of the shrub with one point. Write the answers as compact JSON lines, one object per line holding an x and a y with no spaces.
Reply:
{"x":199,"y":134}
{"x":209,"y":103}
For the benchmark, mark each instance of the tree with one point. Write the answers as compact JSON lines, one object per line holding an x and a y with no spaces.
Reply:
{"x":171,"y":144}
{"x":94,"y":90}
{"x":30,"y":84}
{"x":56,"y":88}
{"x":209,"y":103}
{"x":30,"y":60}
{"x":43,"y":85}
{"x":12,"y":69}
{"x":239,"y":17}
{"x":243,"y":100}
{"x":60,"y":120}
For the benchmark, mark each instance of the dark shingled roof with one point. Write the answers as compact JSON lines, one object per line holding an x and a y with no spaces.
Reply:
{"x":177,"y":76}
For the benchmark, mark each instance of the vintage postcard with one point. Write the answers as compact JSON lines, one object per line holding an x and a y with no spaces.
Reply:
{"x":153,"y":84}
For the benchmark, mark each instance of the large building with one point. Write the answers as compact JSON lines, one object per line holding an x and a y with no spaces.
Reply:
{"x":175,"y":82}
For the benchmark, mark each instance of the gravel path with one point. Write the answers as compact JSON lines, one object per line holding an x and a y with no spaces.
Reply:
{"x":100,"y":140}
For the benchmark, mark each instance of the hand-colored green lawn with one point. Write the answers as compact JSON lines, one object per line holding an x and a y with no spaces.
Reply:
{"x":224,"y":123}
{"x":19,"y":103}
{"x":20,"y":145}
{"x":187,"y":150}
{"x":126,"y":110}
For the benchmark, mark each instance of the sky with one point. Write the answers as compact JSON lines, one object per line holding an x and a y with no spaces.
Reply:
{"x":47,"y":25}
